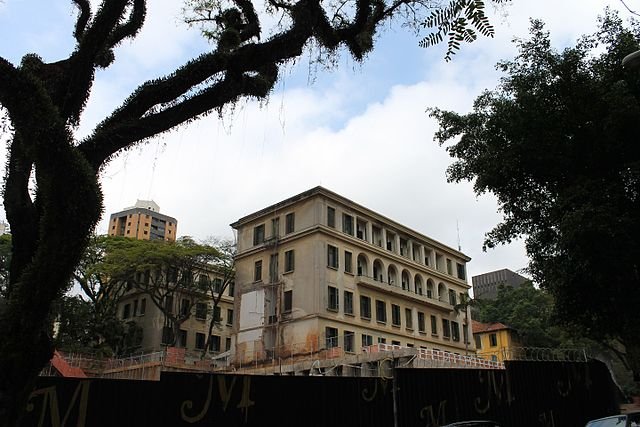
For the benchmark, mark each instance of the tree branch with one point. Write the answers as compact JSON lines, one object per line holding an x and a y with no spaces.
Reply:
{"x":137,"y":119}
{"x":83,"y":18}
{"x":93,"y":50}
{"x":132,"y":26}
{"x":113,"y":138}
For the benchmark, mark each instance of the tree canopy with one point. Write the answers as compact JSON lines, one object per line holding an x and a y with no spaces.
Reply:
{"x":528,"y":310}
{"x":556,"y":142}
{"x":52,"y":196}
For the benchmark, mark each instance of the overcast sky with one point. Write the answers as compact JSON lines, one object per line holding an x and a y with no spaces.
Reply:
{"x":357,"y":129}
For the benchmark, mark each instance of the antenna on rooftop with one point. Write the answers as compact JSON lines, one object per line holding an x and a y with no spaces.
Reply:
{"x":458,"y":230}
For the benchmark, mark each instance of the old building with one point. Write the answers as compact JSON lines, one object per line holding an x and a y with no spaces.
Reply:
{"x":193,"y":332}
{"x":143,"y":221}
{"x":318,"y":272}
{"x":485,"y":286}
{"x":495,"y":341}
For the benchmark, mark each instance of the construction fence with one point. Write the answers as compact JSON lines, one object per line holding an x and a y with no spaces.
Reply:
{"x":522,"y":394}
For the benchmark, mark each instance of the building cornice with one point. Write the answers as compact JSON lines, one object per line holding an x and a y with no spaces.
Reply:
{"x":353,"y":206}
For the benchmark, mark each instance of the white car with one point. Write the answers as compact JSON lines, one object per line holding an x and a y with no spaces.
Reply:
{"x":623,"y":420}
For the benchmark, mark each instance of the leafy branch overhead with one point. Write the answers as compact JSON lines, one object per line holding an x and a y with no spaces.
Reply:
{"x":458,"y":22}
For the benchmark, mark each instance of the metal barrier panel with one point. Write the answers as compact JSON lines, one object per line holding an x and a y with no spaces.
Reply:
{"x":524,"y":394}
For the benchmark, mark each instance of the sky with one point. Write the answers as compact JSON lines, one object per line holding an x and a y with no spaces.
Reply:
{"x":358,"y":129}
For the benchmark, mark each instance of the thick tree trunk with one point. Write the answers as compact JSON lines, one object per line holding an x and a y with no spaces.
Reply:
{"x":69,"y":203}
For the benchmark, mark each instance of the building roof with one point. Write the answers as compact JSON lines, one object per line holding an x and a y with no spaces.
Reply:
{"x":321,"y":191}
{"x":479,"y":327}
{"x":134,"y":210}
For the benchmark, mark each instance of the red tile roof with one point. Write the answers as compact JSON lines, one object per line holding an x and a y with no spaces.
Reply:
{"x":479,"y":327}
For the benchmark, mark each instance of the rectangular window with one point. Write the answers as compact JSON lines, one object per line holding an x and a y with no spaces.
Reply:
{"x":394,"y":342}
{"x":217,"y":285}
{"x":331,"y":335}
{"x":167,"y":335}
{"x":232,"y":288}
{"x":367,"y":340}
{"x":201,"y":310}
{"x":381,"y":311}
{"x":461,"y":273}
{"x":331,"y":217}
{"x":200,"y":341}
{"x":332,"y":299}
{"x":493,"y":340}
{"x":465,"y":333}
{"x":408,"y":317}
{"x":257,"y":271}
{"x":275,"y":227}
{"x":203,"y":281}
{"x":446,"y":328}
{"x":332,"y":256}
{"x":361,"y":230}
{"x":395,"y":315}
{"x":258,"y":235}
{"x":348,"y":262}
{"x":455,"y":331}
{"x":349,"y":341}
{"x":421,"y":326}
{"x":347,"y":224}
{"x":434,"y":325}
{"x":216,"y":314}
{"x":348,"y":302}
{"x":214,"y":343}
{"x":382,"y":340}
{"x":273,"y":268}
{"x":288,"y":301}
{"x":478,"y":341}
{"x":168,"y":304}
{"x":449,"y":267}
{"x":227,"y":342}
{"x":289,"y":261}
{"x":289,"y":223}
{"x":185,"y":306}
{"x":143,"y":306}
{"x":365,"y":307}
{"x":452,"y":297}
{"x":127,"y":311}
{"x":182,"y":339}
{"x":229,"y":316}
{"x":135,"y":308}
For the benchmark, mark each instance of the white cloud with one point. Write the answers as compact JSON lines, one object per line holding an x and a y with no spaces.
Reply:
{"x":360,"y":130}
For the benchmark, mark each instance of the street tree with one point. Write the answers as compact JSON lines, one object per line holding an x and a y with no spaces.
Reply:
{"x":556,"y":143}
{"x":223,"y":269}
{"x":528,"y":310}
{"x":174,"y":275}
{"x":52,"y":196}
{"x":105,"y":333}
{"x":77,"y":329}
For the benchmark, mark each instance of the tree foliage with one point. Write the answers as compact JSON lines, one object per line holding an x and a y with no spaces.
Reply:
{"x":459,"y":21}
{"x":173,"y":274}
{"x":530,"y":311}
{"x":77,"y":329}
{"x":556,"y":143}
{"x":52,"y":220}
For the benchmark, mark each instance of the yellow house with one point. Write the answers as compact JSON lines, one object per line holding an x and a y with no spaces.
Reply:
{"x":494,"y":341}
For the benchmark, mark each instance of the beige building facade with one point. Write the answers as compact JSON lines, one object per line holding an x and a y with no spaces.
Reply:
{"x":318,"y":272}
{"x":198,"y":309}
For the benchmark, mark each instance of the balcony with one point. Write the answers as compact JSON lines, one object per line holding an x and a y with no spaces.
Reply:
{"x":370,"y":282}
